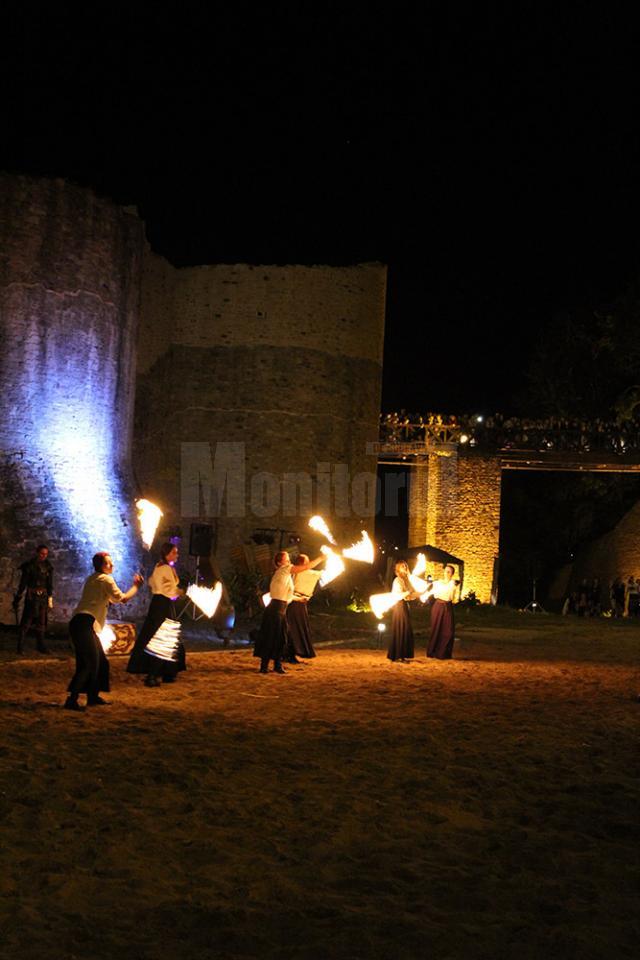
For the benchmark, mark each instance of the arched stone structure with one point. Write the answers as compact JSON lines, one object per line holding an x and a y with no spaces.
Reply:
{"x":455,"y":488}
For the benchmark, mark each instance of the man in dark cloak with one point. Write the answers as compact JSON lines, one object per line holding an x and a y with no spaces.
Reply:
{"x":36,"y":583}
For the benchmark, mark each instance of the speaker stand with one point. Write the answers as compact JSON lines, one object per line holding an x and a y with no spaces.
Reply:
{"x":533,"y":606}
{"x":196,"y":613}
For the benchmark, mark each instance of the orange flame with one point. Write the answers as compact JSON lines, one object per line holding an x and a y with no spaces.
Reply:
{"x":363,"y":550}
{"x":149,"y":517}
{"x":318,"y":524}
{"x":205,"y":598}
{"x":381,"y":602}
{"x":107,"y":637}
{"x":165,"y":641}
{"x":333,"y":567}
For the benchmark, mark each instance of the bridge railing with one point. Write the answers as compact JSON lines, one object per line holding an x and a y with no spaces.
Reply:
{"x":512,"y":433}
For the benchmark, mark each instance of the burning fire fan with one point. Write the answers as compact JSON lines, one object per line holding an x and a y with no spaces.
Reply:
{"x":165,"y":641}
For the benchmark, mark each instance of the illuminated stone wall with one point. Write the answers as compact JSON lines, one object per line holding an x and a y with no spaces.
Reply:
{"x":462,"y":514}
{"x":69,"y":289}
{"x":283,"y":362}
{"x":418,"y":505}
{"x":286,"y":360}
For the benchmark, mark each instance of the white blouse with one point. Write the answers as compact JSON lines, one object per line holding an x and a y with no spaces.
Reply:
{"x":397,"y":586}
{"x":100,"y":589}
{"x":281,"y":586}
{"x":164,"y":580}
{"x":444,"y":590}
{"x":305,"y":583}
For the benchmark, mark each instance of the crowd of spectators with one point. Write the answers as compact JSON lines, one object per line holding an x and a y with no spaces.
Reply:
{"x":504,"y":433}
{"x":592,"y":598}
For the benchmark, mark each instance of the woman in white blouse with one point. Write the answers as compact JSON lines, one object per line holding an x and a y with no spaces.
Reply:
{"x":272,"y":637}
{"x":298,"y":625}
{"x":165,"y":588}
{"x":444,"y":592}
{"x":401,"y":644}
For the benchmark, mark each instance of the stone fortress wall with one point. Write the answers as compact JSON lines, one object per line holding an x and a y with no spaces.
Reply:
{"x":253,"y":372}
{"x":282,"y":363}
{"x":70,"y":266}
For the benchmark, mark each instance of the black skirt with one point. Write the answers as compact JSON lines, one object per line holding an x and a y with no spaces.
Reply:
{"x":299,"y":630}
{"x":161,"y":608}
{"x":92,"y":666}
{"x":440,"y":644}
{"x":401,"y":645}
{"x":272,"y":637}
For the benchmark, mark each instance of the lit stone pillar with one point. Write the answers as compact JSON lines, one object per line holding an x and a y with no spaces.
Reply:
{"x":462,"y":498}
{"x":442,"y":497}
{"x":472,"y":530}
{"x":69,"y":288}
{"x":418,"y":504}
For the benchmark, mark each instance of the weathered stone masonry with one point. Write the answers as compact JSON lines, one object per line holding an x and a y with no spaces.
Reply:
{"x":285,"y":359}
{"x":455,"y":505}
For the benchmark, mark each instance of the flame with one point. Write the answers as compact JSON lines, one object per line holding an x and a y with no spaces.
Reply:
{"x":381,"y":602}
{"x":266,"y":599}
{"x":165,"y":641}
{"x":419,"y":585}
{"x":149,"y":517}
{"x":318,"y":524}
{"x":363,"y":550}
{"x":333,"y":567}
{"x":206,"y":598}
{"x":420,"y":566}
{"x":107,"y":637}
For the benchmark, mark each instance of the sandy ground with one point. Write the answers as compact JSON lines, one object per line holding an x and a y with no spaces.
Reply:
{"x":485,"y":807}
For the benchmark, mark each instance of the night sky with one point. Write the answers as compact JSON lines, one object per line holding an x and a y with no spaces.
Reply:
{"x":489,"y":159}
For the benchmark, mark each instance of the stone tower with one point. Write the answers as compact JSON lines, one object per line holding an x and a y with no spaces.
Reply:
{"x":69,"y":292}
{"x":270,"y":373}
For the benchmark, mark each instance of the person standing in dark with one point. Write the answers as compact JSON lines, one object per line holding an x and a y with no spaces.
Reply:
{"x":165,"y":588}
{"x":272,"y":636}
{"x":298,"y":626}
{"x":444,"y":592}
{"x":36,"y":583}
{"x":92,"y":667}
{"x":401,"y":645}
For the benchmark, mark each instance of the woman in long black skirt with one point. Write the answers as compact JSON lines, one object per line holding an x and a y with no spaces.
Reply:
{"x":298,"y":626}
{"x":444,"y":591}
{"x":272,"y":637}
{"x":401,"y":645}
{"x":165,"y":589}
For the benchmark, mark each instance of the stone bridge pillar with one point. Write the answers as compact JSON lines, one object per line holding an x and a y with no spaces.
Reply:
{"x":454,"y":504}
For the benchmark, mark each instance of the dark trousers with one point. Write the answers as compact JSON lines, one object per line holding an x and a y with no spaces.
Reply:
{"x":34,"y":612}
{"x":92,"y":666}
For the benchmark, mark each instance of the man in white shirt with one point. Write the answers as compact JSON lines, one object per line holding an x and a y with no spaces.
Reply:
{"x":92,"y":667}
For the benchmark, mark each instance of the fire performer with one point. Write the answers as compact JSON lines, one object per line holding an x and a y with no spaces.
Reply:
{"x":272,"y":637}
{"x":36,"y":583}
{"x":165,"y":588}
{"x":92,"y":667}
{"x":401,"y":645}
{"x":298,"y":626}
{"x":444,"y":591}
